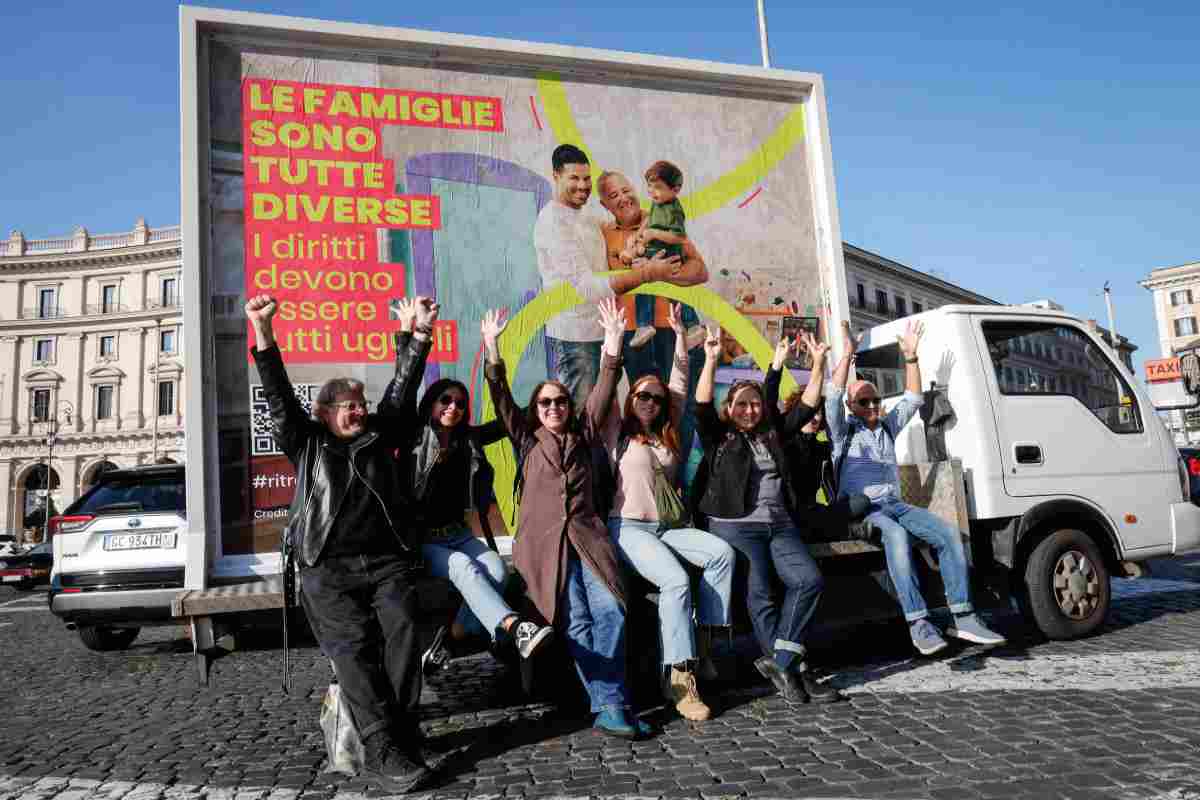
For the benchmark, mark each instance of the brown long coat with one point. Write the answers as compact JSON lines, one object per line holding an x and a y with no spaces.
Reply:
{"x":557,"y":507}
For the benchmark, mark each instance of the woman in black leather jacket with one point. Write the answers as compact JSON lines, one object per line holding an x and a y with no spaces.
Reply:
{"x":451,"y":477}
{"x":750,"y":500}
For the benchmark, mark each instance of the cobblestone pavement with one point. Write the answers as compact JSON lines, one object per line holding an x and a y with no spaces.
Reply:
{"x":1113,"y":716}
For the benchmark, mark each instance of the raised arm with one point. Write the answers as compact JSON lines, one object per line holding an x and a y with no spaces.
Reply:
{"x":772,"y":381}
{"x":841,"y":372}
{"x":600,"y":400}
{"x":413,"y":343}
{"x":912,"y":400}
{"x":708,"y":424}
{"x":507,"y":411}
{"x":677,"y":384}
{"x":289,"y":421}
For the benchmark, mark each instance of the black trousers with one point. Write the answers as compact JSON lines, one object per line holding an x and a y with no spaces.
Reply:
{"x":363,"y":611}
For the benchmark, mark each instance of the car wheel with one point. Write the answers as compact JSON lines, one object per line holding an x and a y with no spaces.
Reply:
{"x":1067,"y":591}
{"x":103,"y":638}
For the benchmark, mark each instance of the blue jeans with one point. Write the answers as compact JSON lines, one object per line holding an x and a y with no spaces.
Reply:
{"x":477,"y":573}
{"x":898,"y":521}
{"x":655,"y":556}
{"x":775,"y":548}
{"x":595,"y":636}
{"x":576,"y":366}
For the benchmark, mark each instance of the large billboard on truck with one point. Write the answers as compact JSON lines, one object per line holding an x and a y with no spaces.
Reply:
{"x":343,"y":167}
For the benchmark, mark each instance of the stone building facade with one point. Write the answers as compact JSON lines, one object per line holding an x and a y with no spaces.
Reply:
{"x":91,"y":363}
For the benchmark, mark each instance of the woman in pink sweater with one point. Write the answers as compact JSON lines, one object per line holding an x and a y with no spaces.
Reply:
{"x":643,"y":441}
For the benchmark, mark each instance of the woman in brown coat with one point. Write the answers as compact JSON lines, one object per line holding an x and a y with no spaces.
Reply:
{"x":562,"y":549}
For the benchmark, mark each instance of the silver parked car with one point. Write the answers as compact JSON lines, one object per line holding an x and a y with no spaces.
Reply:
{"x":119,"y":555}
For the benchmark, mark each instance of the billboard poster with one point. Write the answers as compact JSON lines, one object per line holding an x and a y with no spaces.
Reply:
{"x":342,"y":185}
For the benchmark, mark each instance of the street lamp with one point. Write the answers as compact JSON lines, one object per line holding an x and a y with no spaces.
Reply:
{"x":63,"y":411}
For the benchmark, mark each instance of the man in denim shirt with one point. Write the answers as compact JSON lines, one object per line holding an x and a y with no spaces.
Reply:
{"x":865,"y":445}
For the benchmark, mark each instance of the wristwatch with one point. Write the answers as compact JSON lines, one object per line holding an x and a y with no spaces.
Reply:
{"x":912,"y":360}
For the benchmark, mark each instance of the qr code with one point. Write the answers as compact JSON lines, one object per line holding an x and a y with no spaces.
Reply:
{"x":262,"y":443}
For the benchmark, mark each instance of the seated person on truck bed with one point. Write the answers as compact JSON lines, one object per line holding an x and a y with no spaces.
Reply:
{"x":450,"y":477}
{"x":810,"y":461}
{"x":358,"y":559}
{"x":864,"y":447}
{"x":744,"y":489}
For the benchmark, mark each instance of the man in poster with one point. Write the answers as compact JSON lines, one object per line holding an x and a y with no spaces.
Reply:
{"x":570,"y":248}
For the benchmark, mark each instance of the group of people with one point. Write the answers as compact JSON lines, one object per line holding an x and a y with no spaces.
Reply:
{"x":382,"y":498}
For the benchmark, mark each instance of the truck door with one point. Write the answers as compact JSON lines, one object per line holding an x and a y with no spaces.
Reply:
{"x":1068,"y":423}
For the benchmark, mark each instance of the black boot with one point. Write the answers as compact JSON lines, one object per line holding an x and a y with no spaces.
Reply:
{"x":819,"y":692}
{"x":391,"y":769}
{"x":785,"y":682}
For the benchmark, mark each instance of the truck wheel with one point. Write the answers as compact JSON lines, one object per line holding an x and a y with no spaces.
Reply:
{"x":102,"y":638}
{"x":1067,"y":590}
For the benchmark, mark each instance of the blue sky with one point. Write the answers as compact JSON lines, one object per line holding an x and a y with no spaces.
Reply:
{"x":1031,"y":151}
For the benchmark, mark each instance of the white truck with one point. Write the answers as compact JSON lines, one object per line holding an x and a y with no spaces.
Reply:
{"x":341,"y":166}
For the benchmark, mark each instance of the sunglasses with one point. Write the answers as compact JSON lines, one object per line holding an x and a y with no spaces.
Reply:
{"x":870,"y":401}
{"x":562,"y":401}
{"x":453,"y":400}
{"x":352,"y":405}
{"x":649,"y":397}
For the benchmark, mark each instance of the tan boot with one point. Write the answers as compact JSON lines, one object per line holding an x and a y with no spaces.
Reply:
{"x":706,"y":670}
{"x":682,"y":691}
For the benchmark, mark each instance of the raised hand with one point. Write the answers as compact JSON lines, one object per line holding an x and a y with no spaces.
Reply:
{"x":850,"y":342}
{"x":260,"y":309}
{"x":675,"y":319}
{"x":406,"y":313}
{"x":426,"y":312}
{"x":911,"y":338}
{"x":612,"y":318}
{"x":491,"y":326}
{"x":712,"y":343}
{"x":813,"y":346}
{"x":782,"y":348}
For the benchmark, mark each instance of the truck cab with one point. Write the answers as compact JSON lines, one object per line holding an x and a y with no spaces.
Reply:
{"x":1069,"y":475}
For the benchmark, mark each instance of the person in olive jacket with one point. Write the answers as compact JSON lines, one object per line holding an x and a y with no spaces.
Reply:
{"x":562,"y":548}
{"x":747,"y":495}
{"x":358,"y":556}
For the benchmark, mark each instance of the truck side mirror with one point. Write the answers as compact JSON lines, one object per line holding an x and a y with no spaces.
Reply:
{"x":1189,"y":367}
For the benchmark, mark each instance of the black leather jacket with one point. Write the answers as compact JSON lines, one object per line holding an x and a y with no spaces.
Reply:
{"x":324,"y":472}
{"x":722,"y":485}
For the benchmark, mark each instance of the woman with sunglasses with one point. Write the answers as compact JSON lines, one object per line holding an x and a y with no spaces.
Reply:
{"x":645,"y":443}
{"x":450,"y":478}
{"x":747,"y":495}
{"x":562,"y":548}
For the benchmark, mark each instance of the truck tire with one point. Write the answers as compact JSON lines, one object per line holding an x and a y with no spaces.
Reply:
{"x":104,"y":639}
{"x":1066,"y":592}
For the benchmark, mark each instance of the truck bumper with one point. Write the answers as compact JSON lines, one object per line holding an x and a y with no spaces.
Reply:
{"x":1185,"y":527}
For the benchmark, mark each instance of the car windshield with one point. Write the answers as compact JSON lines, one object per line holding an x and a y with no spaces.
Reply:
{"x":131,"y":495}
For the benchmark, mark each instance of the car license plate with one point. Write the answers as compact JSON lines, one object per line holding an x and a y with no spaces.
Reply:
{"x":140,"y":541}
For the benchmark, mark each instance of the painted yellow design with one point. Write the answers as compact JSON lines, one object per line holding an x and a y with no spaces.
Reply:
{"x":525,"y":324}
{"x":729,"y":187}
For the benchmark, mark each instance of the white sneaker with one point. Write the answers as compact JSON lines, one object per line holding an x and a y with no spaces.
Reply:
{"x":530,"y":638}
{"x":641,"y":337}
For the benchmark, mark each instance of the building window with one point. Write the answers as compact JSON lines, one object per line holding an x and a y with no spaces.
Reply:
{"x":166,"y":340}
{"x":901,"y":307}
{"x":108,"y":345}
{"x":917,"y":307}
{"x":108,"y":298}
{"x":881,"y":303}
{"x":47,"y":303}
{"x":170,"y":292}
{"x":862,"y":296}
{"x":1185,"y":326}
{"x":104,"y":402}
{"x":166,"y":398}
{"x":1181,"y":297}
{"x":41,"y":405}
{"x":43,"y":351}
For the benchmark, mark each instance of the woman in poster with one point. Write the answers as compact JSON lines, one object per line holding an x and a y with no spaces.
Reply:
{"x":645,"y":445}
{"x":747,"y":495}
{"x":562,"y":548}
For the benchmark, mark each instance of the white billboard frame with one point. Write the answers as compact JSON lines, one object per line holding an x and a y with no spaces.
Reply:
{"x":198,"y":26}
